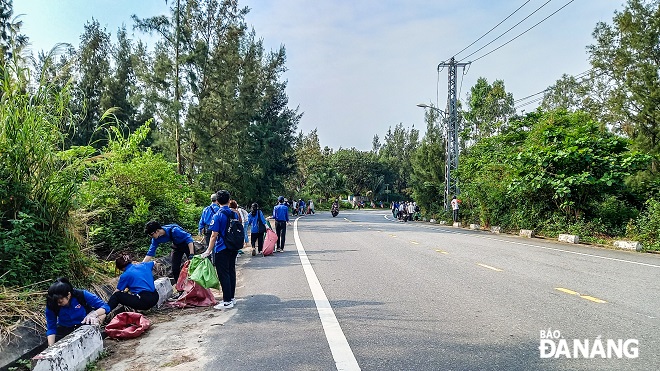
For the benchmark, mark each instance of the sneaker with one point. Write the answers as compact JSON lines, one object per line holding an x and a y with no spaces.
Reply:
{"x":175,"y":296}
{"x":254,"y":252}
{"x":224,"y":305}
{"x":233,"y":301}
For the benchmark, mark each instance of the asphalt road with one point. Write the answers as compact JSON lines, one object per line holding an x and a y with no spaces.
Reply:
{"x":415,"y":296}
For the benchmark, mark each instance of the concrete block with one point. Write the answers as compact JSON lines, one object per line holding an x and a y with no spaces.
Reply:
{"x":442,"y":222}
{"x":432,"y":221}
{"x":475,"y":226}
{"x":457,"y":224}
{"x":527,"y":233}
{"x":164,"y":289}
{"x":495,"y":229}
{"x":73,"y":352}
{"x":628,"y":245}
{"x":569,"y":238}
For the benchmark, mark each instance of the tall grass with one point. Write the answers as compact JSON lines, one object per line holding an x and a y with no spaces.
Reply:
{"x":38,"y":179}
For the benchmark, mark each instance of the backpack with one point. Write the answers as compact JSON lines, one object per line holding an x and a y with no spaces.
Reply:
{"x":261,"y":227}
{"x":80,"y":296}
{"x":234,"y":235}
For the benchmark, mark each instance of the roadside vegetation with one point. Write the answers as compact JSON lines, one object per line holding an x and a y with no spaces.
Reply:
{"x":99,"y":138}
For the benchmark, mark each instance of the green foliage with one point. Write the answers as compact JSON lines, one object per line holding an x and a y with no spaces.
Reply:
{"x":646,"y":228}
{"x":549,"y":171}
{"x":428,"y":163}
{"x":130,"y":187}
{"x":38,"y":183}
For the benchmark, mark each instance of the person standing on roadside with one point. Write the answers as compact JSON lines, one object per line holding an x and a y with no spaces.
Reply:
{"x":281,"y":216}
{"x":244,"y":218}
{"x":205,"y":220}
{"x":255,"y":219}
{"x":225,"y":259}
{"x":454,"y":208}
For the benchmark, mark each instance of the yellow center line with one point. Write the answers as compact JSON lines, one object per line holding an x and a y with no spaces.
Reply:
{"x":414,"y":242}
{"x":346,"y":219}
{"x":442,"y":252}
{"x":587,"y":297}
{"x":489,"y":267}
{"x":392,"y":236}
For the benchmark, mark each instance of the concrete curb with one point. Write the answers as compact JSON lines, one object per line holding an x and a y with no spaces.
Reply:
{"x":73,"y":352}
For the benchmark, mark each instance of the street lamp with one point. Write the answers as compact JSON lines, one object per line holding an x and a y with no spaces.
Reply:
{"x":450,"y":157}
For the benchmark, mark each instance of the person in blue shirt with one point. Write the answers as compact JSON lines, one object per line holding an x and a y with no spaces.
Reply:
{"x":205,"y":219}
{"x":139,"y":280}
{"x":301,"y":207}
{"x":225,"y":259}
{"x":68,"y":309}
{"x":254,"y":217}
{"x":182,"y":243}
{"x":281,"y":216}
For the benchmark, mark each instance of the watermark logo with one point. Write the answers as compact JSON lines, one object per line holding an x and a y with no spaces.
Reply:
{"x":553,"y":345}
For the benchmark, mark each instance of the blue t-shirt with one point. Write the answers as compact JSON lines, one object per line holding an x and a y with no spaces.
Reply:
{"x":179,"y":236}
{"x":73,"y":313}
{"x":219,"y":224}
{"x":281,"y":213}
{"x":207,"y":216}
{"x":138,"y":278}
{"x":252,"y":220}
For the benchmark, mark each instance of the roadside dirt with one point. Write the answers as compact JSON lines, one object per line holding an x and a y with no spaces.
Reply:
{"x":172,"y":341}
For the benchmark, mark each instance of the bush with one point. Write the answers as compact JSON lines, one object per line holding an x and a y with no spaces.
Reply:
{"x":646,"y":228}
{"x":132,"y":186}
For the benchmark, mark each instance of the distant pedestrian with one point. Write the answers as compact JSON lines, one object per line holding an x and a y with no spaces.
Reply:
{"x":454,"y":208}
{"x":310,"y":207}
{"x":281,"y":216}
{"x":255,"y":220}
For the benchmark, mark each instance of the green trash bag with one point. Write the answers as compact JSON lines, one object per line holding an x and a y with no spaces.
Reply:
{"x":203,"y":272}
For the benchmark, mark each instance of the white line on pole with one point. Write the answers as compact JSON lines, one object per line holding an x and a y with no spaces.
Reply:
{"x":341,"y":350}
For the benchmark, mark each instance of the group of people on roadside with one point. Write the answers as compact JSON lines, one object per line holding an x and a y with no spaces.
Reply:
{"x":405,"y":211}
{"x":299,"y":207}
{"x":68,"y":308}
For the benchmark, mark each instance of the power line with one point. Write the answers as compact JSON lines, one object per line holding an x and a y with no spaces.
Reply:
{"x":580,"y":78}
{"x":489,"y":31}
{"x":507,"y":31}
{"x":524,"y":32}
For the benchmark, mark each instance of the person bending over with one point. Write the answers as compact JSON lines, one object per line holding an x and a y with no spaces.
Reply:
{"x":139,"y":280}
{"x":68,"y":308}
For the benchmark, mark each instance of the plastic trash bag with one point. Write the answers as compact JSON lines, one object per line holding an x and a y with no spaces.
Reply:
{"x":193,"y":295}
{"x":204,"y":273}
{"x":127,"y":325}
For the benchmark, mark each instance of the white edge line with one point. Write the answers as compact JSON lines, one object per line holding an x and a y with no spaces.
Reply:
{"x":341,"y":350}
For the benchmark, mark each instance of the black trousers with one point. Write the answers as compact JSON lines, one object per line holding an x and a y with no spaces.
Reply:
{"x":145,"y":300}
{"x":455,"y":214}
{"x":178,"y":251}
{"x":259,"y":238}
{"x":280,"y":229}
{"x":225,"y":266}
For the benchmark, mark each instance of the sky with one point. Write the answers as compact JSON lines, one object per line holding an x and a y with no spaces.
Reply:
{"x":359,"y":67}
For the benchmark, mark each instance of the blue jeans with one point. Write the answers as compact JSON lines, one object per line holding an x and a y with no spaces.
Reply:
{"x":245,"y":230}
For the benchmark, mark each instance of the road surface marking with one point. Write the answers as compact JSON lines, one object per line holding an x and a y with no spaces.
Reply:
{"x":414,"y":242}
{"x":442,"y":252}
{"x":489,"y":267}
{"x":587,"y":297}
{"x":346,"y":219}
{"x":341,"y":350}
{"x":545,"y":247}
{"x":392,"y":235}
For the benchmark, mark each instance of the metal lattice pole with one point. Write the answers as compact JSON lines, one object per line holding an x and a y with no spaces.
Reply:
{"x":451,"y":132}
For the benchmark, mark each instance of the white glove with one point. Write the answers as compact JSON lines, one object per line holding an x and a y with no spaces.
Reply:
{"x":91,"y":319}
{"x":205,"y":254}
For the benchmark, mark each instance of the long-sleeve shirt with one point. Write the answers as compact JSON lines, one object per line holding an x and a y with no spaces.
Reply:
{"x":281,"y":213}
{"x":207,"y":215}
{"x":219,"y":224}
{"x":178,"y":237}
{"x":137,"y":278}
{"x":252,"y":221}
{"x":73,"y":313}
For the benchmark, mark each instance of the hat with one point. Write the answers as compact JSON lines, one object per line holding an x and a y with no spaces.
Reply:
{"x":280,"y":199}
{"x":214,"y":197}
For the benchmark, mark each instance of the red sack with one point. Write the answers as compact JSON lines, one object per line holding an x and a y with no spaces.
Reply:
{"x":269,"y":243}
{"x":193,"y":295}
{"x":127,"y":325}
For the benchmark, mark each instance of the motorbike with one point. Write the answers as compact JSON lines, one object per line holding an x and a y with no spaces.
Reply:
{"x":334,"y":211}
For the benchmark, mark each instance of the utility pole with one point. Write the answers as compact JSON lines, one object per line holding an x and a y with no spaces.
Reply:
{"x":451,"y":132}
